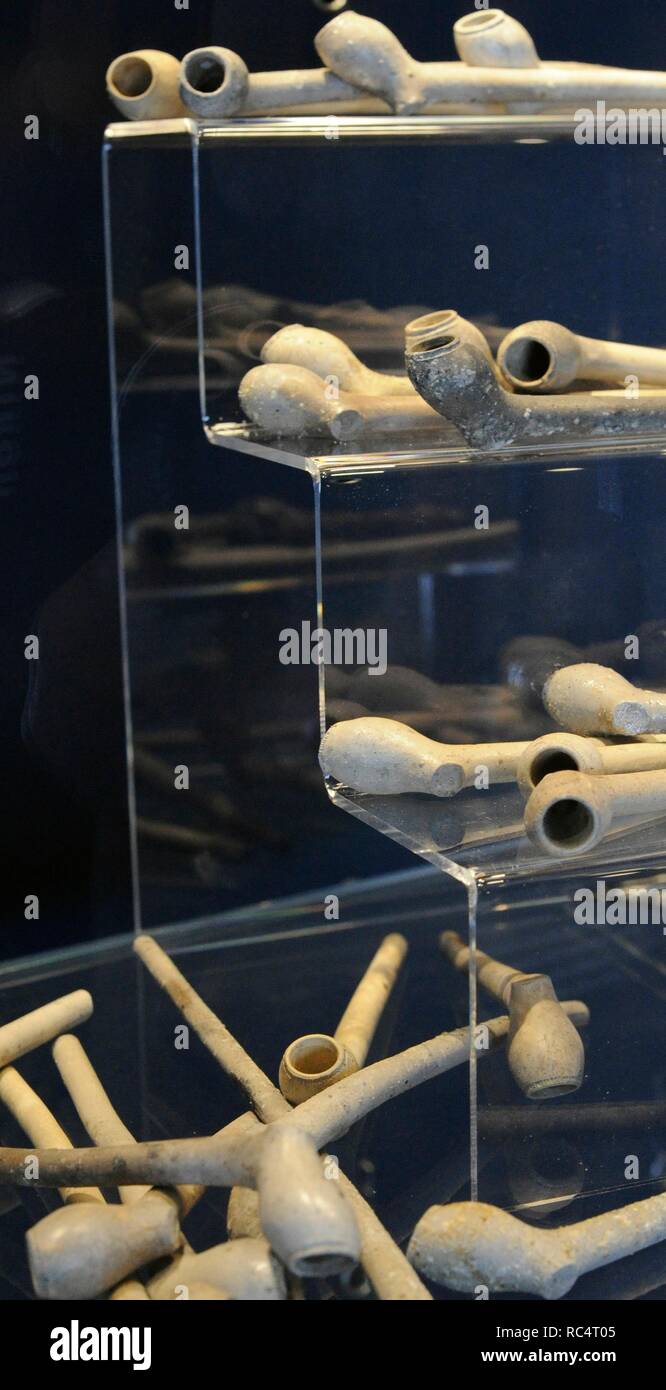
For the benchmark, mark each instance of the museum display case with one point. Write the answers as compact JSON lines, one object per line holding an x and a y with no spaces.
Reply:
{"x":440,"y":578}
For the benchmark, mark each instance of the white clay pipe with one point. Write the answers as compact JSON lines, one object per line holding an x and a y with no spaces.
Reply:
{"x":111,"y":1251}
{"x":97,"y":1115}
{"x":303,"y":1216}
{"x":316,"y":1061}
{"x":289,"y":400}
{"x":82,"y":1251}
{"x":42,"y":1025}
{"x":79,"y":1254}
{"x":591,"y":699}
{"x":215,"y":83}
{"x":104,"y":1231}
{"x":576,"y":753}
{"x":385,"y":758}
{"x":469,"y":1244}
{"x":330,"y":357}
{"x":499,"y":65}
{"x":383,"y":1260}
{"x":309,"y":1224}
{"x":41,"y":1127}
{"x":249,"y":1274}
{"x":144,"y":85}
{"x":545,"y":356}
{"x":568,"y":813}
{"x":23,"y":1035}
{"x":244,"y":1270}
{"x":544,"y":1050}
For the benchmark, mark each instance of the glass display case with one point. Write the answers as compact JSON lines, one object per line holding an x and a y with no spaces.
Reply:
{"x":401,"y":570}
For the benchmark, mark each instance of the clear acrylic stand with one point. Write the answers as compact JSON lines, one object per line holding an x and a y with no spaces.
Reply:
{"x":361,"y":223}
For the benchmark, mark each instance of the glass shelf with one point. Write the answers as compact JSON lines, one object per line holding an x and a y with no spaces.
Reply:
{"x":358,"y":261}
{"x":570,"y":555}
{"x":479,"y":838}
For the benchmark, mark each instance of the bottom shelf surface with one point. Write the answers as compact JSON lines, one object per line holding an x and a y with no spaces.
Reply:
{"x":289,"y":968}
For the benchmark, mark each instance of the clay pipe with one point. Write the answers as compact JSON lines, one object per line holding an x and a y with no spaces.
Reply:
{"x":500,"y":66}
{"x":215,"y":83}
{"x":96,"y":1219}
{"x":316,"y":1061}
{"x":144,"y":85}
{"x":385,"y":758}
{"x":104,"y":1126}
{"x":304,"y":1217}
{"x":383,"y":1261}
{"x":294,"y":401}
{"x":98,"y":1116}
{"x":290,"y":1227}
{"x":590,"y":699}
{"x":82,"y":1251}
{"x":568,"y":813}
{"x":42,"y":1025}
{"x":544,"y":1051}
{"x":41,"y":1127}
{"x":330,"y":357}
{"x":573,"y":753}
{"x":251,"y":1273}
{"x":468,"y":1244}
{"x":544,"y":356}
{"x":455,"y":377}
{"x":244,"y":1270}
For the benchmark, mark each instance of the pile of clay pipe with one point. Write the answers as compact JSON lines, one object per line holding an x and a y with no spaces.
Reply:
{"x":292,"y":1215}
{"x":543,"y":385}
{"x":607,"y":770}
{"x":366,"y":70}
